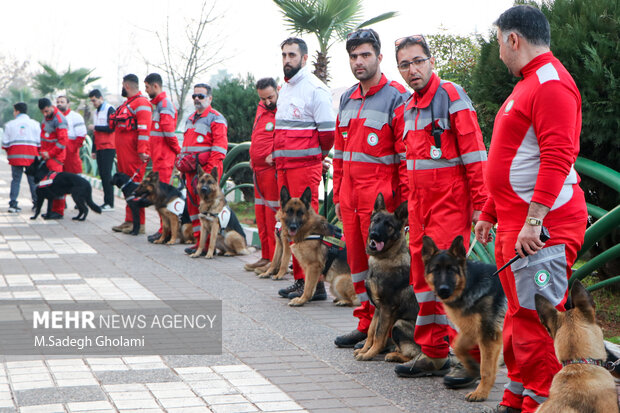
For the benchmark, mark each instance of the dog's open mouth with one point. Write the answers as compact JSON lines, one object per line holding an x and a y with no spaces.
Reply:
{"x":292,"y":232}
{"x":376,"y":245}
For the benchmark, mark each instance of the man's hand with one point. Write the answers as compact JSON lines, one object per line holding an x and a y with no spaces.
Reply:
{"x":483,"y":232}
{"x":326,"y":165}
{"x":475,"y":216}
{"x":91,"y":127}
{"x":45,"y":155}
{"x":143,"y":157}
{"x":529,"y":240}
{"x":93,"y":155}
{"x":269,"y":159}
{"x":338,"y":214}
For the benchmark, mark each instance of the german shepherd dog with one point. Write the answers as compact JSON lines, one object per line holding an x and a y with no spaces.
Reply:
{"x":160,"y":195}
{"x":282,"y":255}
{"x":300,"y":221}
{"x":583,"y":385}
{"x":213,"y":207}
{"x":63,"y":183}
{"x":387,"y":285}
{"x":475,"y":302}
{"x":128,"y":187}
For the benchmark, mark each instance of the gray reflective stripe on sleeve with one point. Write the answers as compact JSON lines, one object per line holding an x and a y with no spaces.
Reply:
{"x":296,"y":153}
{"x":140,"y":108}
{"x":360,"y":276}
{"x":538,"y":399}
{"x":196,"y":228}
{"x":190,"y":149}
{"x":78,"y":124}
{"x":426,"y":164}
{"x":20,"y":157}
{"x":193,"y":217}
{"x":60,"y":146}
{"x":472,"y":157}
{"x":258,"y":201}
{"x":363,"y":297}
{"x":167,"y":111}
{"x":218,"y":149}
{"x":28,"y":142}
{"x":459,"y":105}
{"x":410,"y":164}
{"x":426,"y":297}
{"x":163,"y":134}
{"x":514,"y":387}
{"x":273,"y":204}
{"x":326,"y":126}
{"x":402,"y":156}
{"x":337,"y":154}
{"x":295,"y":124}
{"x":363,"y":157}
{"x":143,"y":138}
{"x":423,"y":320}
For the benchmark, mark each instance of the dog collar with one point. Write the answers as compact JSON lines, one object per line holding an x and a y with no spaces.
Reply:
{"x":594,"y":362}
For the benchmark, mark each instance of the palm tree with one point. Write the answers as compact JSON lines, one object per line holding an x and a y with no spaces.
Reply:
{"x":329,"y":20}
{"x":14,"y":95}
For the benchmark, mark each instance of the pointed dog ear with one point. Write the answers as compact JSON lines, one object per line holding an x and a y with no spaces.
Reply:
{"x":284,"y":196}
{"x":154,"y":175}
{"x":401,"y":213}
{"x":306,"y":197}
{"x":547,"y":314}
{"x":199,"y":170}
{"x":429,"y":249}
{"x":458,"y":248}
{"x":214,"y":173}
{"x":583,"y":301}
{"x":379,"y":203}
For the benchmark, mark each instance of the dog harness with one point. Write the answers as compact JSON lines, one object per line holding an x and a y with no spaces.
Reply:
{"x":223,"y":217}
{"x":335,"y":245}
{"x":47,"y":180}
{"x":609,"y":365}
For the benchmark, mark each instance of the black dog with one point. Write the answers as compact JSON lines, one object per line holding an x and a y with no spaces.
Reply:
{"x":57,"y":184}
{"x":134,"y":202}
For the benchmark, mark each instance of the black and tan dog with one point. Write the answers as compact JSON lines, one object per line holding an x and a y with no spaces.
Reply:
{"x":53,"y":185}
{"x":128,"y":187}
{"x":307,"y":230}
{"x":583,"y":384}
{"x":215,"y":214}
{"x":475,"y":302}
{"x":162,"y":196}
{"x":387,"y":285}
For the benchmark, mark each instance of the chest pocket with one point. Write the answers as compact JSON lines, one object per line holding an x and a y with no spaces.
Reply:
{"x":374,"y":119}
{"x":202,"y":129}
{"x":296,"y":109}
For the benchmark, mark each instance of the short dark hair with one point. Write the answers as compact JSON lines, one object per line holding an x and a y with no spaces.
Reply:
{"x":362,"y":36}
{"x":154,"y":78}
{"x":411,"y":41}
{"x":44,"y":103}
{"x":131,"y":78}
{"x":528,"y":22}
{"x":21,"y":107}
{"x":63,"y":96}
{"x":95,"y":93}
{"x":303,"y":47}
{"x":204,"y":86}
{"x":265,"y":82}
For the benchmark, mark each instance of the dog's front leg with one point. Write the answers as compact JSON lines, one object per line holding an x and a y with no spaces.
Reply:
{"x":215,"y":229}
{"x":40,"y":199}
{"x":372,"y":329}
{"x":285,"y":258}
{"x":275,"y":260}
{"x":202,"y":241}
{"x":489,"y":356}
{"x":173,"y":227}
{"x":385,"y":321}
{"x":313,"y":273}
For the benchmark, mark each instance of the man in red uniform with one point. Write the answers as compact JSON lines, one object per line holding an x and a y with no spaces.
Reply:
{"x":531,"y":178}
{"x":164,"y":144}
{"x":266,"y":195}
{"x":132,"y":126}
{"x":366,"y":161}
{"x":54,"y":140}
{"x":205,"y":141}
{"x":445,"y":159}
{"x":76,"y":132}
{"x":305,"y":124}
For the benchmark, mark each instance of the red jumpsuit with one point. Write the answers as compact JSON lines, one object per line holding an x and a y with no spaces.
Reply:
{"x":54,"y":141}
{"x":132,"y":122}
{"x":444,"y":191}
{"x":206,"y":135}
{"x":266,"y":196}
{"x":305,"y":124}
{"x":367,"y":161}
{"x":533,"y":150}
{"x":164,"y":144}
{"x":76,"y":135}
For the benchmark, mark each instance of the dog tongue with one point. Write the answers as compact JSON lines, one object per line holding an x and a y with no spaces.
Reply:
{"x":379,"y":245}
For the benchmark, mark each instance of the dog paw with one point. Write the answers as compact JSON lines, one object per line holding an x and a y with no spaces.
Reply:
{"x":342,"y":303}
{"x":34,"y":217}
{"x":277,"y":276}
{"x":229,"y":254}
{"x":297,"y":302}
{"x":171,"y":242}
{"x":264,"y":275}
{"x":476,"y":396}
{"x":158,"y":241}
{"x":195,"y":255}
{"x":364,"y":356}
{"x":209,"y":256}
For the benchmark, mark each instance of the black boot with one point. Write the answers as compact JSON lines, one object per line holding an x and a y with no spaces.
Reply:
{"x":297,"y":285}
{"x":52,"y":215}
{"x":349,"y":340}
{"x":319,"y":293}
{"x":154,"y":237}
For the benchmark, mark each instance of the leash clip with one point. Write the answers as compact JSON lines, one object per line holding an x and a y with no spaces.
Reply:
{"x":611,"y":365}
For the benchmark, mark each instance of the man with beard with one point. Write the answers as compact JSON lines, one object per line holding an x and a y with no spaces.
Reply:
{"x":369,"y":158}
{"x":266,"y":194}
{"x":164,"y":144}
{"x":205,"y":142}
{"x":304,"y":136}
{"x":103,"y":145}
{"x":76,"y":132}
{"x":132,"y":123}
{"x":445,"y":161}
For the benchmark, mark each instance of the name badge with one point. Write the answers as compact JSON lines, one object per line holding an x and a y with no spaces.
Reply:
{"x":435,"y":152}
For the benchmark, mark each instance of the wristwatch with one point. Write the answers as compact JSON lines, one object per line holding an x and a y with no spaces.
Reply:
{"x":534,"y":221}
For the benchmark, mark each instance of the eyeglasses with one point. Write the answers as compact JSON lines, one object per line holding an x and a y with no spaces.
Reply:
{"x":200,"y":96}
{"x":404,"y":66}
{"x":362,"y":34}
{"x":416,"y":38}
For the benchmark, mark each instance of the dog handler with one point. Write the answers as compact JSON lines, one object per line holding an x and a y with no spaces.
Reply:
{"x":532,"y":179}
{"x":368,"y":157}
{"x":304,"y":136}
{"x":445,"y":160}
{"x":132,"y":127}
{"x":76,"y":134}
{"x":205,"y":141}
{"x":103,"y":145}
{"x":266,"y":195}
{"x":54,"y":140}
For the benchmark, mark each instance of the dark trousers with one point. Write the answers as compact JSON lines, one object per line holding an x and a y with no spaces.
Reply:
{"x":16,"y":173}
{"x":105,"y":160}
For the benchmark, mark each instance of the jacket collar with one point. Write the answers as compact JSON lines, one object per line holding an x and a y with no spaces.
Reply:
{"x":424,"y":98}
{"x":299,"y":76}
{"x":195,"y":115}
{"x":67,"y":112}
{"x":357,"y":94}
{"x":536,"y":63}
{"x":53,"y":113}
{"x":158,"y":98}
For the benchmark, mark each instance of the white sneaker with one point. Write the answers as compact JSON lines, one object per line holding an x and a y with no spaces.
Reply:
{"x":14,"y":209}
{"x":106,"y":208}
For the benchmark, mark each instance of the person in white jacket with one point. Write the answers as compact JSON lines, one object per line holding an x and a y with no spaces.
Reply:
{"x":77,"y":133}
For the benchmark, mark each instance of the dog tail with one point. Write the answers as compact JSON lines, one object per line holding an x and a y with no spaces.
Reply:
{"x":248,"y":251}
{"x":92,"y":205}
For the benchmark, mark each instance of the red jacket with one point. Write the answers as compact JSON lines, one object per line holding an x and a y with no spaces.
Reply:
{"x":54,"y":139}
{"x":263,"y":134}
{"x":164,"y":143}
{"x":206,"y":134}
{"x":132,"y":121}
{"x":104,"y":134}
{"x":534,"y":146}
{"x":368,"y":156}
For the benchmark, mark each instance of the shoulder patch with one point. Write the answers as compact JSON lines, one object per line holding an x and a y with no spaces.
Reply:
{"x":547,"y":73}
{"x":398,"y":86}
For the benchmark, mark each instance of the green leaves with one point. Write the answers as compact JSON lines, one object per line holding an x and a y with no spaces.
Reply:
{"x":71,"y":82}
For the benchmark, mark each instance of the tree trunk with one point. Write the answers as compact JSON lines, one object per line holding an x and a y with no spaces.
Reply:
{"x":320,"y":66}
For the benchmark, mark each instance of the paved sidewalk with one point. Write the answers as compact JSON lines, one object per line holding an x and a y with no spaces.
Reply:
{"x":275,"y":358}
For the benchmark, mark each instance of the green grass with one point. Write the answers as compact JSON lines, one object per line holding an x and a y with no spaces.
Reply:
{"x":245,"y":212}
{"x":607,"y":309}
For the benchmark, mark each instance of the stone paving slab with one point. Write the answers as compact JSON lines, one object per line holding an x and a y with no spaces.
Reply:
{"x":275,"y":358}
